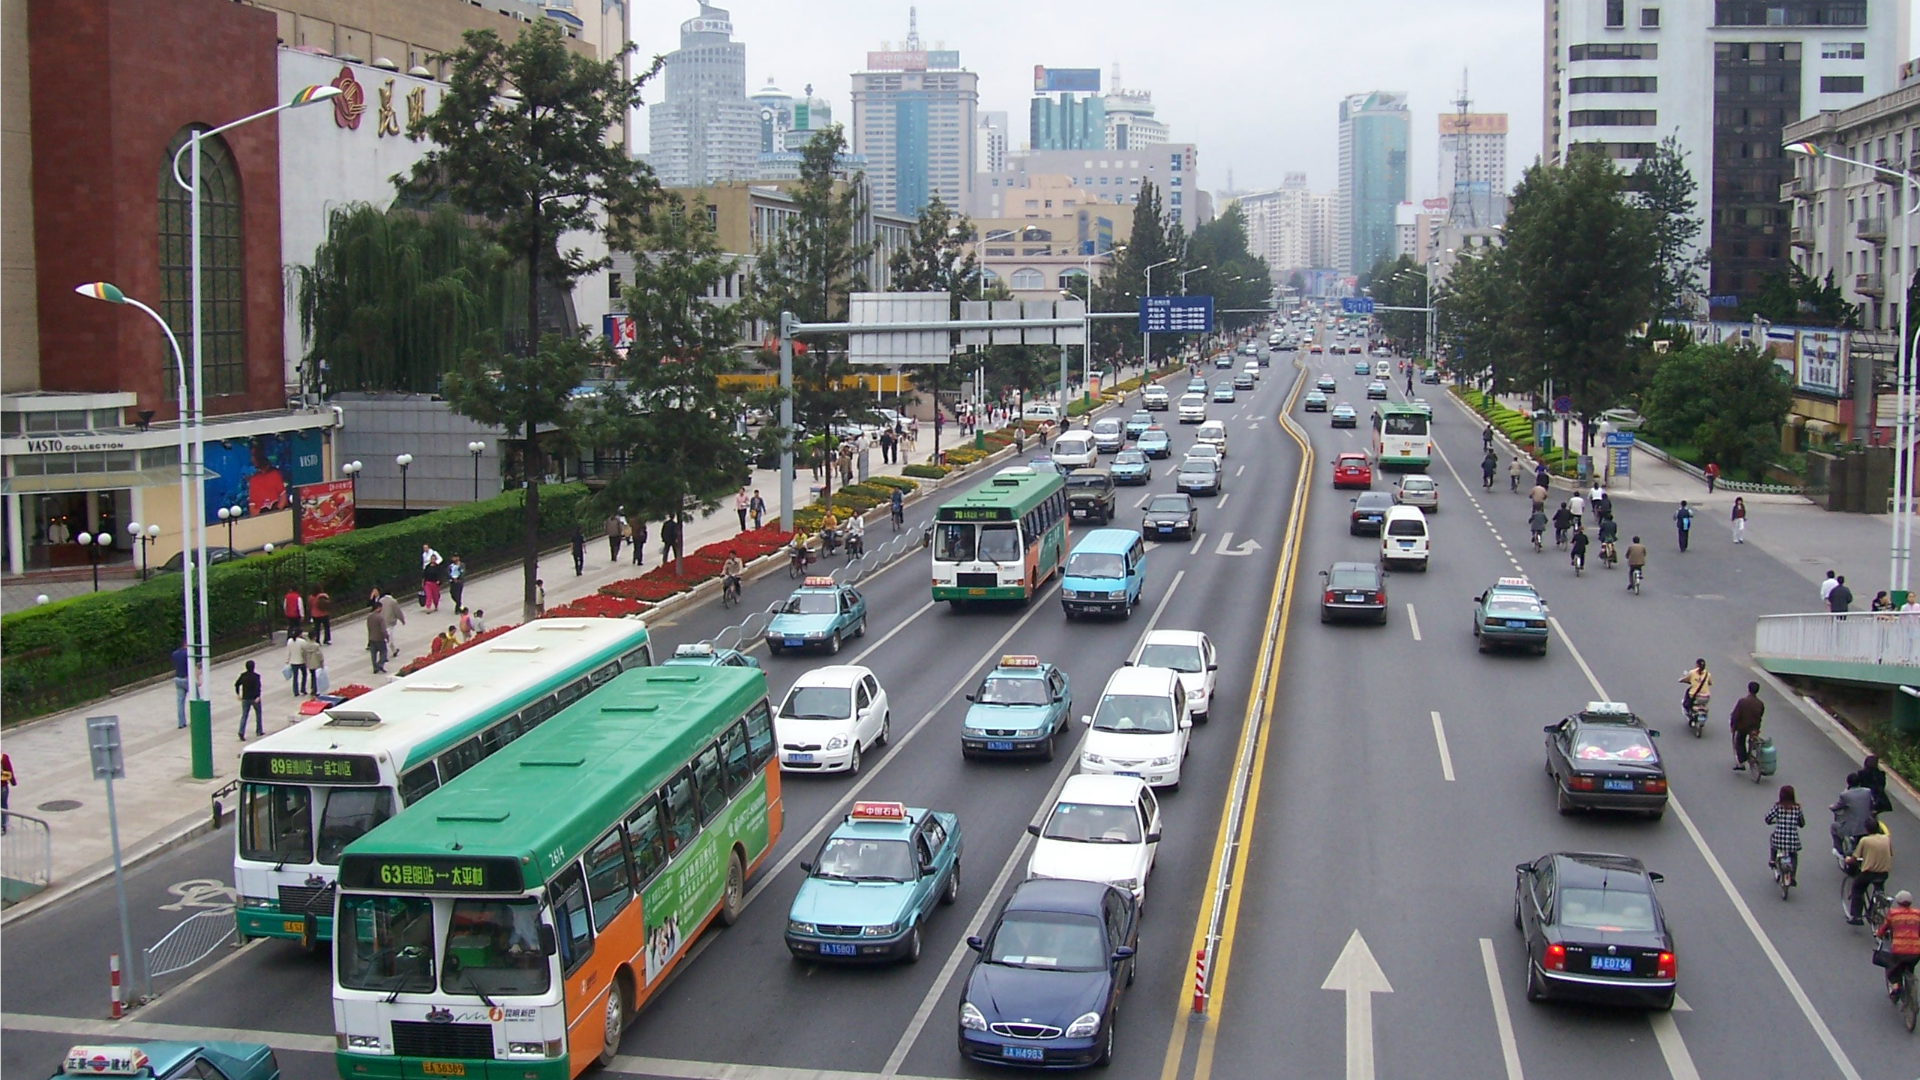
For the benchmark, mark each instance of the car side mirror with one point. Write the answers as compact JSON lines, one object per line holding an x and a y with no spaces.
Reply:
{"x":1122,"y":953}
{"x":806,"y":865}
{"x":1323,"y":573}
{"x":1653,"y":733}
{"x":1656,"y":878}
{"x":969,"y":697}
{"x":976,"y":943}
{"x":1153,"y":838}
{"x":1186,"y":721}
{"x":1551,"y":728}
{"x":926,"y":867}
{"x":1033,"y":828}
{"x":1522,"y":868}
{"x":1128,"y":662}
{"x":549,"y":942}
{"x":1087,"y":720}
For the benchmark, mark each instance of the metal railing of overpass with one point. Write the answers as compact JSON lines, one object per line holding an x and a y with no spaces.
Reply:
{"x":1874,"y":647}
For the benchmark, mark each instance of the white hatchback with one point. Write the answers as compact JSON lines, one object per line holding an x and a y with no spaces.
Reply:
{"x":1102,"y":828}
{"x":1188,"y":652}
{"x":829,"y":718}
{"x":1140,"y":728}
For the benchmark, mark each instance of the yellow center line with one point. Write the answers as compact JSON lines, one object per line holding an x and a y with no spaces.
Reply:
{"x":1279,"y":607}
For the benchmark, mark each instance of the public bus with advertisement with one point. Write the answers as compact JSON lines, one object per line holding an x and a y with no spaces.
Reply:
{"x":308,"y":791}
{"x":515,"y":921}
{"x":1003,"y":539}
{"x":1402,"y":436}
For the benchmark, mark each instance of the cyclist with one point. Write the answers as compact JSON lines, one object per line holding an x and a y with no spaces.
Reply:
{"x":1539,"y":496}
{"x":1787,"y":820}
{"x":1577,"y":506}
{"x":1514,"y":472}
{"x":1748,"y":713}
{"x":731,"y":572}
{"x":1488,"y":465}
{"x":1636,"y":562}
{"x":1580,"y":542}
{"x":1700,"y":684}
{"x":1901,"y":929}
{"x":1536,"y":525}
{"x":897,"y":508}
{"x":1609,"y":532}
{"x":856,"y":536}
{"x":1486,"y":438}
{"x":1562,"y":521}
{"x":1870,"y":863}
{"x":1853,"y":817}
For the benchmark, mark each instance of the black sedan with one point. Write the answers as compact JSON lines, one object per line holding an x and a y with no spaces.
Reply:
{"x":1594,"y":930}
{"x":1354,"y":590}
{"x":1603,"y":758}
{"x":1369,"y":510}
{"x":1044,"y":990}
{"x":1169,"y":516}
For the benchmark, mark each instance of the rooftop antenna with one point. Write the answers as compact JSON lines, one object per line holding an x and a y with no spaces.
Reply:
{"x":1468,"y":215}
{"x":913,"y":29}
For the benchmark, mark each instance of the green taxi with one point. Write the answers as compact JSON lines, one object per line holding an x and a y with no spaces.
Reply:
{"x":1511,"y":613}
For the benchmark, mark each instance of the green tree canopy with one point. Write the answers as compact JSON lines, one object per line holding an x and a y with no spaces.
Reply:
{"x":1124,"y":281}
{"x":1401,"y":282}
{"x":1236,"y":278}
{"x":1664,"y":186}
{"x":1727,"y":401}
{"x":1791,"y":297}
{"x":937,"y":257}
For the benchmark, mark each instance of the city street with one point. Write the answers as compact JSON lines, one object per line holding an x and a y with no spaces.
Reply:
{"x":1397,"y":785}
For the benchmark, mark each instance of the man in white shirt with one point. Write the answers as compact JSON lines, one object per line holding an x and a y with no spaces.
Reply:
{"x":1577,"y":506}
{"x":1827,"y":586}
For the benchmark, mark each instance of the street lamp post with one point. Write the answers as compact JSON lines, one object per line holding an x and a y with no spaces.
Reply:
{"x":1900,"y":546}
{"x":1183,"y":278}
{"x":1146,"y":339}
{"x":229,"y":515}
{"x":92,"y":543}
{"x":403,"y":460}
{"x":352,"y":469}
{"x":146,"y":537}
{"x":476,"y":448}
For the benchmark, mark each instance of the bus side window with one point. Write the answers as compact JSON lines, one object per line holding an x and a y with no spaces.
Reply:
{"x":760,"y":734}
{"x":677,"y":803}
{"x":604,"y":674}
{"x":609,"y":879}
{"x":416,"y":783}
{"x":568,"y":895}
{"x":739,"y":765}
{"x":460,"y":759}
{"x":537,"y":713}
{"x":706,"y":776}
{"x":499,"y":735}
{"x":638,"y":658}
{"x":573,"y":692}
{"x":649,"y":841}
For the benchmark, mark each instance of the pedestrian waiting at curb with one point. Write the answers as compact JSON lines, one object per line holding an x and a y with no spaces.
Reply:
{"x":247,"y":687}
{"x":539,"y":598}
{"x":479,"y":621}
{"x":316,"y":668}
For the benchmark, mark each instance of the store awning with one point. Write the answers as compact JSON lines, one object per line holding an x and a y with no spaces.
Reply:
{"x":158,"y":476}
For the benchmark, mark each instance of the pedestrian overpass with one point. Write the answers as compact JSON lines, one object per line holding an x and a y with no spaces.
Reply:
{"x":1881,"y":648}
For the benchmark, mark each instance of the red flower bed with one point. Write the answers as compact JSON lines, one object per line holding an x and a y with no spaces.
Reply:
{"x":651,"y":587}
{"x":704,"y":564}
{"x":419,"y":662}
{"x":597,"y":607}
{"x":351,"y":690}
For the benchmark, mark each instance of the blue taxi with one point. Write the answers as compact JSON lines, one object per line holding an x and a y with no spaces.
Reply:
{"x":172,"y":1061}
{"x":1154,"y":442}
{"x":1018,"y":710}
{"x":707,"y":654}
{"x":1511,"y":613}
{"x":821,"y":612}
{"x":874,"y":882}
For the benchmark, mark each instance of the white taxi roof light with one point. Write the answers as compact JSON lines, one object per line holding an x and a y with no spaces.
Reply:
{"x":694,"y":648}
{"x":105,"y":1061}
{"x":1514,"y":583}
{"x":1014,"y":661}
{"x":817,"y":583}
{"x":1608,"y":708}
{"x":864,"y":810}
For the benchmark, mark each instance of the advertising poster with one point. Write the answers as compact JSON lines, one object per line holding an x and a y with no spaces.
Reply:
{"x":326,"y":509}
{"x":1820,"y":366}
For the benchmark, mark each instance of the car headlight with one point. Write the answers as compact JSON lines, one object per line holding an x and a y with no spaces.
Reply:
{"x":1162,"y":762}
{"x":1033,"y":733}
{"x":816,"y":636}
{"x":838,"y":742}
{"x":1128,"y":884}
{"x":1085,"y":1027}
{"x":363,"y":1042}
{"x":1068,"y":594}
{"x":1116,"y":595}
{"x":1093,"y":759}
{"x":887,"y":930}
{"x":796,"y":927}
{"x":970,"y":1018}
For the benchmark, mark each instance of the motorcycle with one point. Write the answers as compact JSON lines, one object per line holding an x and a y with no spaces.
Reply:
{"x":1697,"y":714}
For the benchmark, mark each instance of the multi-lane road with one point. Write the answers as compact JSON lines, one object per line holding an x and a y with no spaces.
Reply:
{"x":1396,"y":783}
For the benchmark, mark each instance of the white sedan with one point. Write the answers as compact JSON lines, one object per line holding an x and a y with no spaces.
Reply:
{"x":1188,"y":652}
{"x":829,"y":718}
{"x":1102,"y":828}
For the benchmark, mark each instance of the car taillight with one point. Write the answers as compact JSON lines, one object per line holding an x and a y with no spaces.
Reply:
{"x":1664,"y":968}
{"x":1579,"y":783}
{"x":1331,"y":596}
{"x":1657,"y":787}
{"x":1380,"y":597}
{"x":1555,"y":958}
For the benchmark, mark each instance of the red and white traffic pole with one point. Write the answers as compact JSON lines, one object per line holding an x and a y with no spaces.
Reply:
{"x":113,"y":976}
{"x":1199,"y":982}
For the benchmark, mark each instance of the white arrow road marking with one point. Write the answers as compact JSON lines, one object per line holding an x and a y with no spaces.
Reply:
{"x":1413,"y":621}
{"x":1359,"y":975}
{"x":1672,"y":1046}
{"x":1446,"y":759}
{"x":1226,"y":546}
{"x":1502,"y":1018}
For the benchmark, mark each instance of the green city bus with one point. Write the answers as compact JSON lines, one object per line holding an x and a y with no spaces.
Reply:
{"x":514,"y":921}
{"x":1001,"y":540}
{"x":1402,"y":436}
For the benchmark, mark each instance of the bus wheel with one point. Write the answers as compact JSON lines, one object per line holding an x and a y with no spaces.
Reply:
{"x":734,"y":899}
{"x":615,"y":1021}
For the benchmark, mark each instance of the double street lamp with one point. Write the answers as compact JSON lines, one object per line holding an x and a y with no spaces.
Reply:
{"x":146,"y":535}
{"x":352,"y":469}
{"x":229,"y":515}
{"x":95,"y":545}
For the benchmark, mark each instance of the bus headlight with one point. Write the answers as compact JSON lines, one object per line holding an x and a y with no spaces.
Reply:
{"x":526,"y":1049}
{"x":363,"y":1042}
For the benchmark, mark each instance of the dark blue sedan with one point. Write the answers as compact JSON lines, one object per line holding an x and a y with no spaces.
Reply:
{"x":1046,"y":986}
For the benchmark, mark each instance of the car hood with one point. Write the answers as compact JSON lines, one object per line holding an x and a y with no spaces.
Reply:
{"x":1015,"y":995}
{"x":1131,"y":745}
{"x":1171,"y":517}
{"x":850,"y":903}
{"x":800,"y":624}
{"x":981,"y":717}
{"x":1083,"y":861}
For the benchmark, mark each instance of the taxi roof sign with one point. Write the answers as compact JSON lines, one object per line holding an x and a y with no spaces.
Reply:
{"x":864,"y":810}
{"x":1513,"y":583}
{"x":1608,"y":708}
{"x":817,"y":583}
{"x":105,"y":1061}
{"x":694,"y":648}
{"x":1018,"y":661}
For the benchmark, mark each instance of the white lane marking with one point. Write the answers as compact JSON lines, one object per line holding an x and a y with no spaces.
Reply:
{"x":1413,"y":620}
{"x":960,"y":949}
{"x":1780,"y":968}
{"x":1239,"y":470}
{"x":1666,"y":1033}
{"x":636,"y":1065}
{"x":1502,"y":1017}
{"x":1358,"y":974}
{"x":1144,"y":497}
{"x":1446,"y":758}
{"x":1197,"y":541}
{"x":888,"y":636}
{"x":121,"y":1030}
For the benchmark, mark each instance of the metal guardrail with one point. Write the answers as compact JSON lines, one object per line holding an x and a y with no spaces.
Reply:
{"x":850,"y":572}
{"x":189,"y":943}
{"x":26,"y":856}
{"x":1887,"y":639}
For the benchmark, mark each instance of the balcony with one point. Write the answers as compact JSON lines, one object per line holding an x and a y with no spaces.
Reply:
{"x":1870,"y":284}
{"x":1796,"y":188}
{"x":1871,"y":229}
{"x":1801,"y":237}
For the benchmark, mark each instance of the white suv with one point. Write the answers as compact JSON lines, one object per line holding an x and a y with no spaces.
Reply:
{"x":1193,"y":408}
{"x":1140,"y":727}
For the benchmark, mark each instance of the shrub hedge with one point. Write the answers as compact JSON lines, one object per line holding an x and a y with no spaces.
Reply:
{"x":926,"y":472}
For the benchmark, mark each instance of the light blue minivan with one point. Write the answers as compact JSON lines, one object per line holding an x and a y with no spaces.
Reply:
{"x":1104,"y":574}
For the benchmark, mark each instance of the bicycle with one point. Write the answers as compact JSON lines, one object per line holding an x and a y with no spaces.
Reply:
{"x":1634,"y":575}
{"x":1877,"y":903}
{"x":729,"y":591}
{"x":1754,"y":770}
{"x":899,"y":515}
{"x":1537,"y":547}
{"x":1906,"y":997}
{"x":1783,"y":864}
{"x":1579,"y":561}
{"x":1559,"y":536}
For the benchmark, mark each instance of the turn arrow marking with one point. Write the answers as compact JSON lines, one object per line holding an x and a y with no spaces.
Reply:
{"x":1359,"y":975}
{"x":1226,"y":546}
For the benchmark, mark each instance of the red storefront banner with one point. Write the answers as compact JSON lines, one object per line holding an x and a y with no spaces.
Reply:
{"x":326,"y":509}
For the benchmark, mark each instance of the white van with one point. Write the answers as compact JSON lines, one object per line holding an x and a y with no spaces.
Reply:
{"x":1383,"y":369}
{"x":1404,"y":537}
{"x":1075,"y":450}
{"x":1213,"y":433}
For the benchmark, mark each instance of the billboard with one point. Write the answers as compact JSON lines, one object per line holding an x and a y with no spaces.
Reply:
{"x":1822,"y":370}
{"x":259,"y":473}
{"x":896,"y":61}
{"x":326,"y":509}
{"x":1048,"y":80}
{"x":944,"y":60}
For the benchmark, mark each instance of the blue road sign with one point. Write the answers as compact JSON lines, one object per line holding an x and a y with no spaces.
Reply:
{"x":1356,"y":305}
{"x":1620,"y":445}
{"x":1176,"y":314}
{"x":1563,"y":404}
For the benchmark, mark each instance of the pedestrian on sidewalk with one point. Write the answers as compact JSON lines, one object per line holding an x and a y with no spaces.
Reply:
{"x":669,"y":540}
{"x":320,"y":608}
{"x":317,"y":680}
{"x":1739,"y":520}
{"x":1841,"y":597}
{"x":7,"y":781}
{"x":1827,"y":585}
{"x":377,"y":640}
{"x":465,"y":623}
{"x":615,"y":528}
{"x":394,"y":616}
{"x":297,"y":663}
{"x":294,"y":607}
{"x":886,"y":448}
{"x":456,"y":580}
{"x":180,"y":662}
{"x":740,"y":504}
{"x":579,"y":542}
{"x":432,"y":573}
{"x":758,"y":508}
{"x":1712,"y":473}
{"x":539,"y":598}
{"x":247,"y":686}
{"x":479,"y":622}
{"x":637,"y":534}
{"x":1881,"y":602}
{"x":1683,"y":521}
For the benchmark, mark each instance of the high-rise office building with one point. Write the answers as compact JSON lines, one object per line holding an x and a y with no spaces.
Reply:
{"x":1374,"y":131}
{"x":705,"y":130}
{"x":990,"y":141}
{"x":811,"y":115}
{"x":914,"y":116}
{"x":1172,"y":168}
{"x":776,"y":116}
{"x":1280,"y":225}
{"x":1472,"y":170}
{"x":1128,"y":116}
{"x":1074,"y":118}
{"x":1724,"y":77}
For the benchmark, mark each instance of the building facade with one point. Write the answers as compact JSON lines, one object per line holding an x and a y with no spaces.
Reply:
{"x":705,"y":129}
{"x":1281,"y":226}
{"x":1472,"y":170}
{"x":1374,"y":134}
{"x":914,"y":117}
{"x":1106,"y":176}
{"x":776,"y":116}
{"x":1073,"y":117}
{"x":1725,"y":78}
{"x":990,"y":141}
{"x":811,"y":115}
{"x":1129,"y":119}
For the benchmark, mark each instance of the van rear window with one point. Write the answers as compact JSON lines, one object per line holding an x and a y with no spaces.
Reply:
{"x":1407,"y":527}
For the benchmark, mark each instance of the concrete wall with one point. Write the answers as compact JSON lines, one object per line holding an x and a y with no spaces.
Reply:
{"x":381,"y":426}
{"x":19,"y":314}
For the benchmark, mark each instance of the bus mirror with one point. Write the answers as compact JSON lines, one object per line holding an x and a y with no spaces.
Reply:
{"x":549,"y":944}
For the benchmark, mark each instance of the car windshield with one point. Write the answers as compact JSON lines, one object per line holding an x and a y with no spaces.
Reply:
{"x":350,"y":813}
{"x":812,"y":603}
{"x":1093,"y":823}
{"x":1153,"y":437}
{"x":864,"y":858}
{"x":1351,"y":578}
{"x":1134,"y":714}
{"x":1091,"y":564}
{"x":1076,"y":445}
{"x":1091,"y":480}
{"x":1167,"y":504}
{"x":999,"y":543}
{"x":385,"y":943}
{"x":1130,"y":457}
{"x":1049,"y":940}
{"x":818,"y":703}
{"x":1212,"y":431}
{"x":1171,"y":655}
{"x":1613,"y":910}
{"x":1141,"y":417}
{"x":1011,"y":690}
{"x":1193,"y":399}
{"x":1612,"y":744}
{"x":1106,"y":427}
{"x":493,"y":947}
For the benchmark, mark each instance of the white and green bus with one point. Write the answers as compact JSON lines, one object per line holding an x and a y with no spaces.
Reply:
{"x":1402,"y":436}
{"x":312,"y":789}
{"x":1003,"y":539}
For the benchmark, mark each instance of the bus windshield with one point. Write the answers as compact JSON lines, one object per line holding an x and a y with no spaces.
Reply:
{"x":493,"y":947}
{"x":385,"y":943}
{"x":276,"y":823}
{"x":999,"y":543}
{"x":349,"y":814}
{"x":1405,"y":424}
{"x":953,"y":541}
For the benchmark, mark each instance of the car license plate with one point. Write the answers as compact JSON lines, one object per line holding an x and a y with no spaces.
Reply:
{"x":834,"y":948}
{"x":1164,"y":528}
{"x":1617,"y":785}
{"x":1406,"y":544}
{"x":1516,"y":624}
{"x":1373,"y":519}
{"x":1078,"y":512}
{"x":800,"y":757}
{"x":1023,"y":1053}
{"x":999,"y":744}
{"x":1135,"y":775}
{"x":444,"y":1068}
{"x":1355,"y":598}
{"x":293,"y":926}
{"x":1623,"y":964}
{"x":793,"y":642}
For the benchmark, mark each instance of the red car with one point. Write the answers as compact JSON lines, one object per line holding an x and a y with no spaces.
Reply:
{"x":1352,"y":470}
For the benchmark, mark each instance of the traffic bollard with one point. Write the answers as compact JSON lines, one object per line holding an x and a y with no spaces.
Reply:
{"x":200,"y":737}
{"x":113,"y":978}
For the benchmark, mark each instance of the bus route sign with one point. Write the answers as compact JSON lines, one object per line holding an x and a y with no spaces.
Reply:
{"x":1176,"y":314}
